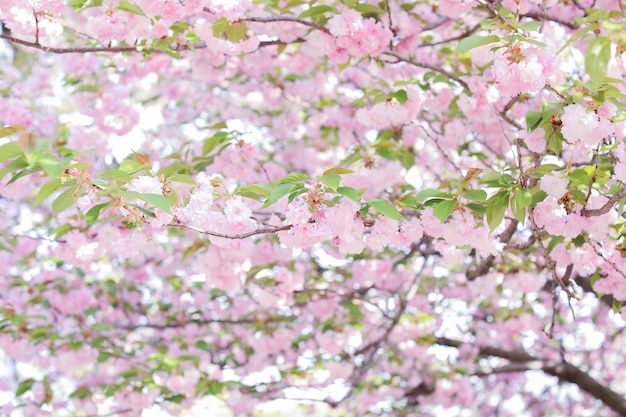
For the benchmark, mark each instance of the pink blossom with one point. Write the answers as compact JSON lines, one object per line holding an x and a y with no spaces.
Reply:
{"x":584,"y":128}
{"x":237,"y":211}
{"x":391,"y":113}
{"x":145,"y":184}
{"x":357,"y":36}
{"x":456,"y":8}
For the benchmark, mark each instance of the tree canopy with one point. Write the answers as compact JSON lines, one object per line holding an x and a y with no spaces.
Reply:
{"x":396,"y":208}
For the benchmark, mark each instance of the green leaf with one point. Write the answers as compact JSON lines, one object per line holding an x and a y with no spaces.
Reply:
{"x":331,"y":180}
{"x":24,"y":386}
{"x":475,"y":41}
{"x":93,"y":213}
{"x":212,"y":142}
{"x":338,"y":170}
{"x":11,"y":130}
{"x":496,"y":209}
{"x":104,"y":356}
{"x":385,"y":208}
{"x":444,"y":209}
{"x":291,"y":178}
{"x":47,"y":190}
{"x":9,"y":151}
{"x":533,"y":118}
{"x":157,"y":200}
{"x":400,"y":95}
{"x":350,"y":193}
{"x":475,"y":195}
{"x":532,"y":25}
{"x":116,"y":174}
{"x":253,"y":191}
{"x":53,"y":165}
{"x":126,"y":6}
{"x":278,"y":192}
{"x":597,"y":59}
{"x":314,"y":11}
{"x":523,"y":197}
{"x":47,"y":389}
{"x":236,"y":31}
{"x":182,"y":178}
{"x":64,"y":200}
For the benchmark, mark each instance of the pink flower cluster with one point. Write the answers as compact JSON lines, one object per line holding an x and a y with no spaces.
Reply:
{"x":357,"y":36}
{"x":585,"y":129}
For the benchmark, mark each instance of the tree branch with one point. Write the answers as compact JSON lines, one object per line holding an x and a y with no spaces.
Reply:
{"x":261,"y":231}
{"x":564,"y":371}
{"x":606,"y":207}
{"x":427,"y":66}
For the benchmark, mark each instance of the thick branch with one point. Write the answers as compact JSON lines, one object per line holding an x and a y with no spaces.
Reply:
{"x":564,"y":371}
{"x":606,"y":207}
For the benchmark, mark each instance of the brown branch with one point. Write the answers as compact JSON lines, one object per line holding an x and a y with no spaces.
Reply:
{"x":543,"y":17}
{"x":452,"y":39}
{"x":122,"y":49}
{"x":432,"y":67}
{"x":280,"y":19}
{"x":606,"y":207}
{"x":261,"y":231}
{"x":562,"y":370}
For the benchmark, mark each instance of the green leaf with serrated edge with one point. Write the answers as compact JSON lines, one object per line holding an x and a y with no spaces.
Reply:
{"x":182,"y":178}
{"x":292,"y":177}
{"x":349,"y":192}
{"x":338,"y":170}
{"x":66,"y":199}
{"x":475,"y":195}
{"x":116,"y":174}
{"x":24,"y":386}
{"x":314,"y":11}
{"x":47,"y":190}
{"x":523,"y":197}
{"x":597,"y":59}
{"x":93,"y":213}
{"x":444,"y":209}
{"x":129,"y":7}
{"x":9,"y":151}
{"x":385,"y":208}
{"x":157,"y":200}
{"x":475,"y":41}
{"x":496,"y":209}
{"x":331,"y":181}
{"x":277,"y":193}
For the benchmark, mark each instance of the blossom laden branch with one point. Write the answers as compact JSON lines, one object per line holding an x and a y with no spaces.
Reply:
{"x":265,"y":230}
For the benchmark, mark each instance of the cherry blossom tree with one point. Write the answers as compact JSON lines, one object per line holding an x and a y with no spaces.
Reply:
{"x":398,"y":208}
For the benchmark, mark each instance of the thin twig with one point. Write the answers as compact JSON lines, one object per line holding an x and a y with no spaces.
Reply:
{"x":432,"y":67}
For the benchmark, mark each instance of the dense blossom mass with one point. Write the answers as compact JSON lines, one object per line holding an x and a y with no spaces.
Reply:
{"x":394,"y":208}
